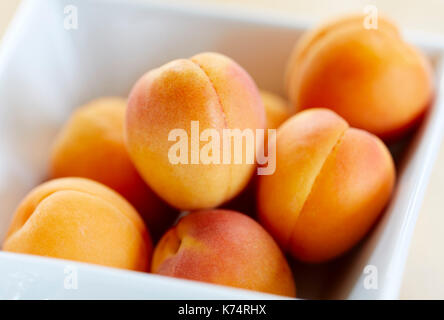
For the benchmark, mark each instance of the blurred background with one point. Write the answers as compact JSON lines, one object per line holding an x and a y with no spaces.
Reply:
{"x":424,"y":272}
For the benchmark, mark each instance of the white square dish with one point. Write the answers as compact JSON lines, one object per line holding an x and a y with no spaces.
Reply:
{"x":46,"y":71}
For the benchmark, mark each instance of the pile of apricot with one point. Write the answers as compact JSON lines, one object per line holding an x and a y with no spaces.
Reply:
{"x":113,"y":185}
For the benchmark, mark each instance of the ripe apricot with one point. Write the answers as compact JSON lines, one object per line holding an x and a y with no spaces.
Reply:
{"x":371,"y":77}
{"x":208,"y":89}
{"x":277,"y":109}
{"x":224,"y":247}
{"x":331,"y":184}
{"x":276,"y":112}
{"x":91,"y":145}
{"x":82,"y":220}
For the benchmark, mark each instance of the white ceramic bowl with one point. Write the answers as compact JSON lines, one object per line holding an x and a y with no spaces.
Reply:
{"x":46,"y":71}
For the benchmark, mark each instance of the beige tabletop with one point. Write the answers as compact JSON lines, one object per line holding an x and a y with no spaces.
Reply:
{"x":424,"y":273}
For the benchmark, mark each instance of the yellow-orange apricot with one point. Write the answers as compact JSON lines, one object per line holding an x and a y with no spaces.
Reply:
{"x":276,"y":112}
{"x":371,"y":77}
{"x":277,"y":109}
{"x":82,"y":220}
{"x":91,"y":145}
{"x":224,"y":247}
{"x":330,"y":185}
{"x":209,"y":88}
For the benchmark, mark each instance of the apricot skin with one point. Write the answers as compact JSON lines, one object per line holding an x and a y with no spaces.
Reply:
{"x":91,"y":145}
{"x":331,"y":184}
{"x":224,"y":247}
{"x":277,"y":109}
{"x":82,"y":220}
{"x":371,"y":77}
{"x":209,"y":88}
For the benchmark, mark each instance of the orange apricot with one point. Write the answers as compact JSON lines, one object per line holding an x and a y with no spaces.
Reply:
{"x":224,"y":247}
{"x":208,"y":89}
{"x":82,"y":220}
{"x":371,"y":77}
{"x":330,"y":185}
{"x":277,"y":109}
{"x":91,"y":145}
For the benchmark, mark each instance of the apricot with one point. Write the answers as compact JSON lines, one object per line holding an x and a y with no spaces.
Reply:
{"x":223,"y":247}
{"x":277,"y":109}
{"x":331,"y":184}
{"x":371,"y":77}
{"x":91,"y":145}
{"x":82,"y":220}
{"x":276,"y":112}
{"x":209,"y":88}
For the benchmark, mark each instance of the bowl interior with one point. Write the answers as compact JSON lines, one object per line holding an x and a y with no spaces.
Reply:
{"x":46,"y":71}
